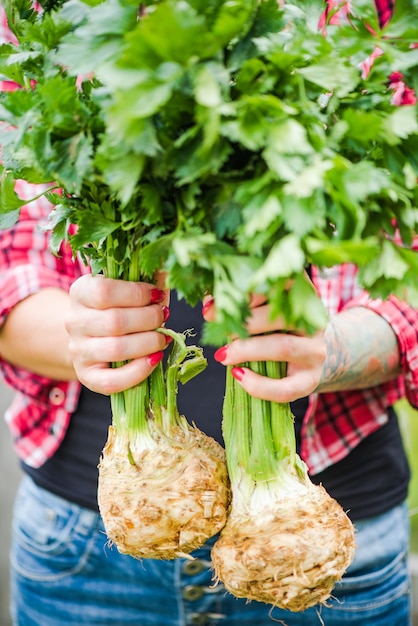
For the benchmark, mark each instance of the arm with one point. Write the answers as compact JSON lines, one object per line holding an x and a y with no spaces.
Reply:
{"x":34,"y":298}
{"x":33,"y":335}
{"x":361,"y":351}
{"x":358,"y":349}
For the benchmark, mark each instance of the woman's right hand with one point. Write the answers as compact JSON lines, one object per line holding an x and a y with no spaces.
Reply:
{"x":113,"y":321}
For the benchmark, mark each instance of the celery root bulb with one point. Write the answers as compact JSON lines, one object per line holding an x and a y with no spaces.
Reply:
{"x":163,"y":501}
{"x":289,"y":552}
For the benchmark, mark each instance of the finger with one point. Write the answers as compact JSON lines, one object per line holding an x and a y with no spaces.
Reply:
{"x":115,"y":321}
{"x":281,"y":390}
{"x":99,"y":292}
{"x":274,"y":347}
{"x":209,"y":308}
{"x":107,"y":380}
{"x":160,"y":279}
{"x":260,"y":321}
{"x":111,"y":349}
{"x":257,"y":299}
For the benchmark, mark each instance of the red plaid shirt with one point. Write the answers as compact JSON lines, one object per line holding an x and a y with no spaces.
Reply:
{"x":384,"y":9}
{"x":40,"y":412}
{"x":42,"y":408}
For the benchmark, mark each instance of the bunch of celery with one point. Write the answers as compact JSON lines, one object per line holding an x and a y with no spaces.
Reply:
{"x":163,"y":486}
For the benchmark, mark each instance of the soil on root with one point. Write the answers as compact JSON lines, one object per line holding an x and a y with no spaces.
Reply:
{"x":169,"y":501}
{"x":289,"y":556}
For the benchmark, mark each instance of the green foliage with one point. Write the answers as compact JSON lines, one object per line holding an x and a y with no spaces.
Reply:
{"x":408,"y":419}
{"x":227,"y":141}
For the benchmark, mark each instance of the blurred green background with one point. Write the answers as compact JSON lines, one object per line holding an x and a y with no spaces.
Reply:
{"x":409,"y":426}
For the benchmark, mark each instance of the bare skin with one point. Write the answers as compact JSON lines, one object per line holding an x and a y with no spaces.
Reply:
{"x":374,"y":345}
{"x":110,"y":321}
{"x":113,"y":321}
{"x":33,"y":335}
{"x":358,"y":349}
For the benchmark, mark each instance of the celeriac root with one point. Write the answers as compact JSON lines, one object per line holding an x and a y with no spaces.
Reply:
{"x":167,"y":500}
{"x":290,"y":554}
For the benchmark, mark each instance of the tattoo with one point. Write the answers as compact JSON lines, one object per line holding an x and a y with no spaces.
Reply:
{"x":362,"y":351}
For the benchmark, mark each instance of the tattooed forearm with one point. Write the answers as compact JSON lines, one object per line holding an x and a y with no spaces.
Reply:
{"x":362,"y":351}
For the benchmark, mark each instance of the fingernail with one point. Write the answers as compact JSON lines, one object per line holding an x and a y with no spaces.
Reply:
{"x":238,"y":373}
{"x":168,"y":339}
{"x":156,"y":296}
{"x":220,"y":355}
{"x":206,"y":306}
{"x":166,"y":313}
{"x":155,"y":358}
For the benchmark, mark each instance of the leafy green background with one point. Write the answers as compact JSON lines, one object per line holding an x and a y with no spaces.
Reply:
{"x":409,"y":426}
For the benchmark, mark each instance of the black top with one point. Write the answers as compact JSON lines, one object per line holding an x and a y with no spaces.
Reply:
{"x":370,"y":480}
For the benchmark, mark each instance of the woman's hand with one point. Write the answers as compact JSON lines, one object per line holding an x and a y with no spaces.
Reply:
{"x":304,"y":355}
{"x":112,"y":321}
{"x":358,"y":349}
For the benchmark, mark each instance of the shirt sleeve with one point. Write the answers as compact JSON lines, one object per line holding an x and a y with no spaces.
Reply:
{"x":26,"y":263}
{"x":384,"y":10}
{"x":403,"y":320}
{"x":26,"y":266}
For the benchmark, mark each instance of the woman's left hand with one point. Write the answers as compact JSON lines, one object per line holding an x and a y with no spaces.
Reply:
{"x":304,"y":355}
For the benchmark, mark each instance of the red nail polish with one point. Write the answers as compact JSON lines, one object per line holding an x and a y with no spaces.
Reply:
{"x":238,"y":373}
{"x":168,"y":339}
{"x":220,"y":354}
{"x":155,"y":358}
{"x":207,"y":305}
{"x":166,"y":313}
{"x":156,"y":296}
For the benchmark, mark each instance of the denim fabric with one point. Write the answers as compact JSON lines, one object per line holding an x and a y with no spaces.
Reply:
{"x":375,"y":590}
{"x":63,"y":572}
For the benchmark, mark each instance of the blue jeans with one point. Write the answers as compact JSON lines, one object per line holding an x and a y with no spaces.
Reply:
{"x":63,"y":573}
